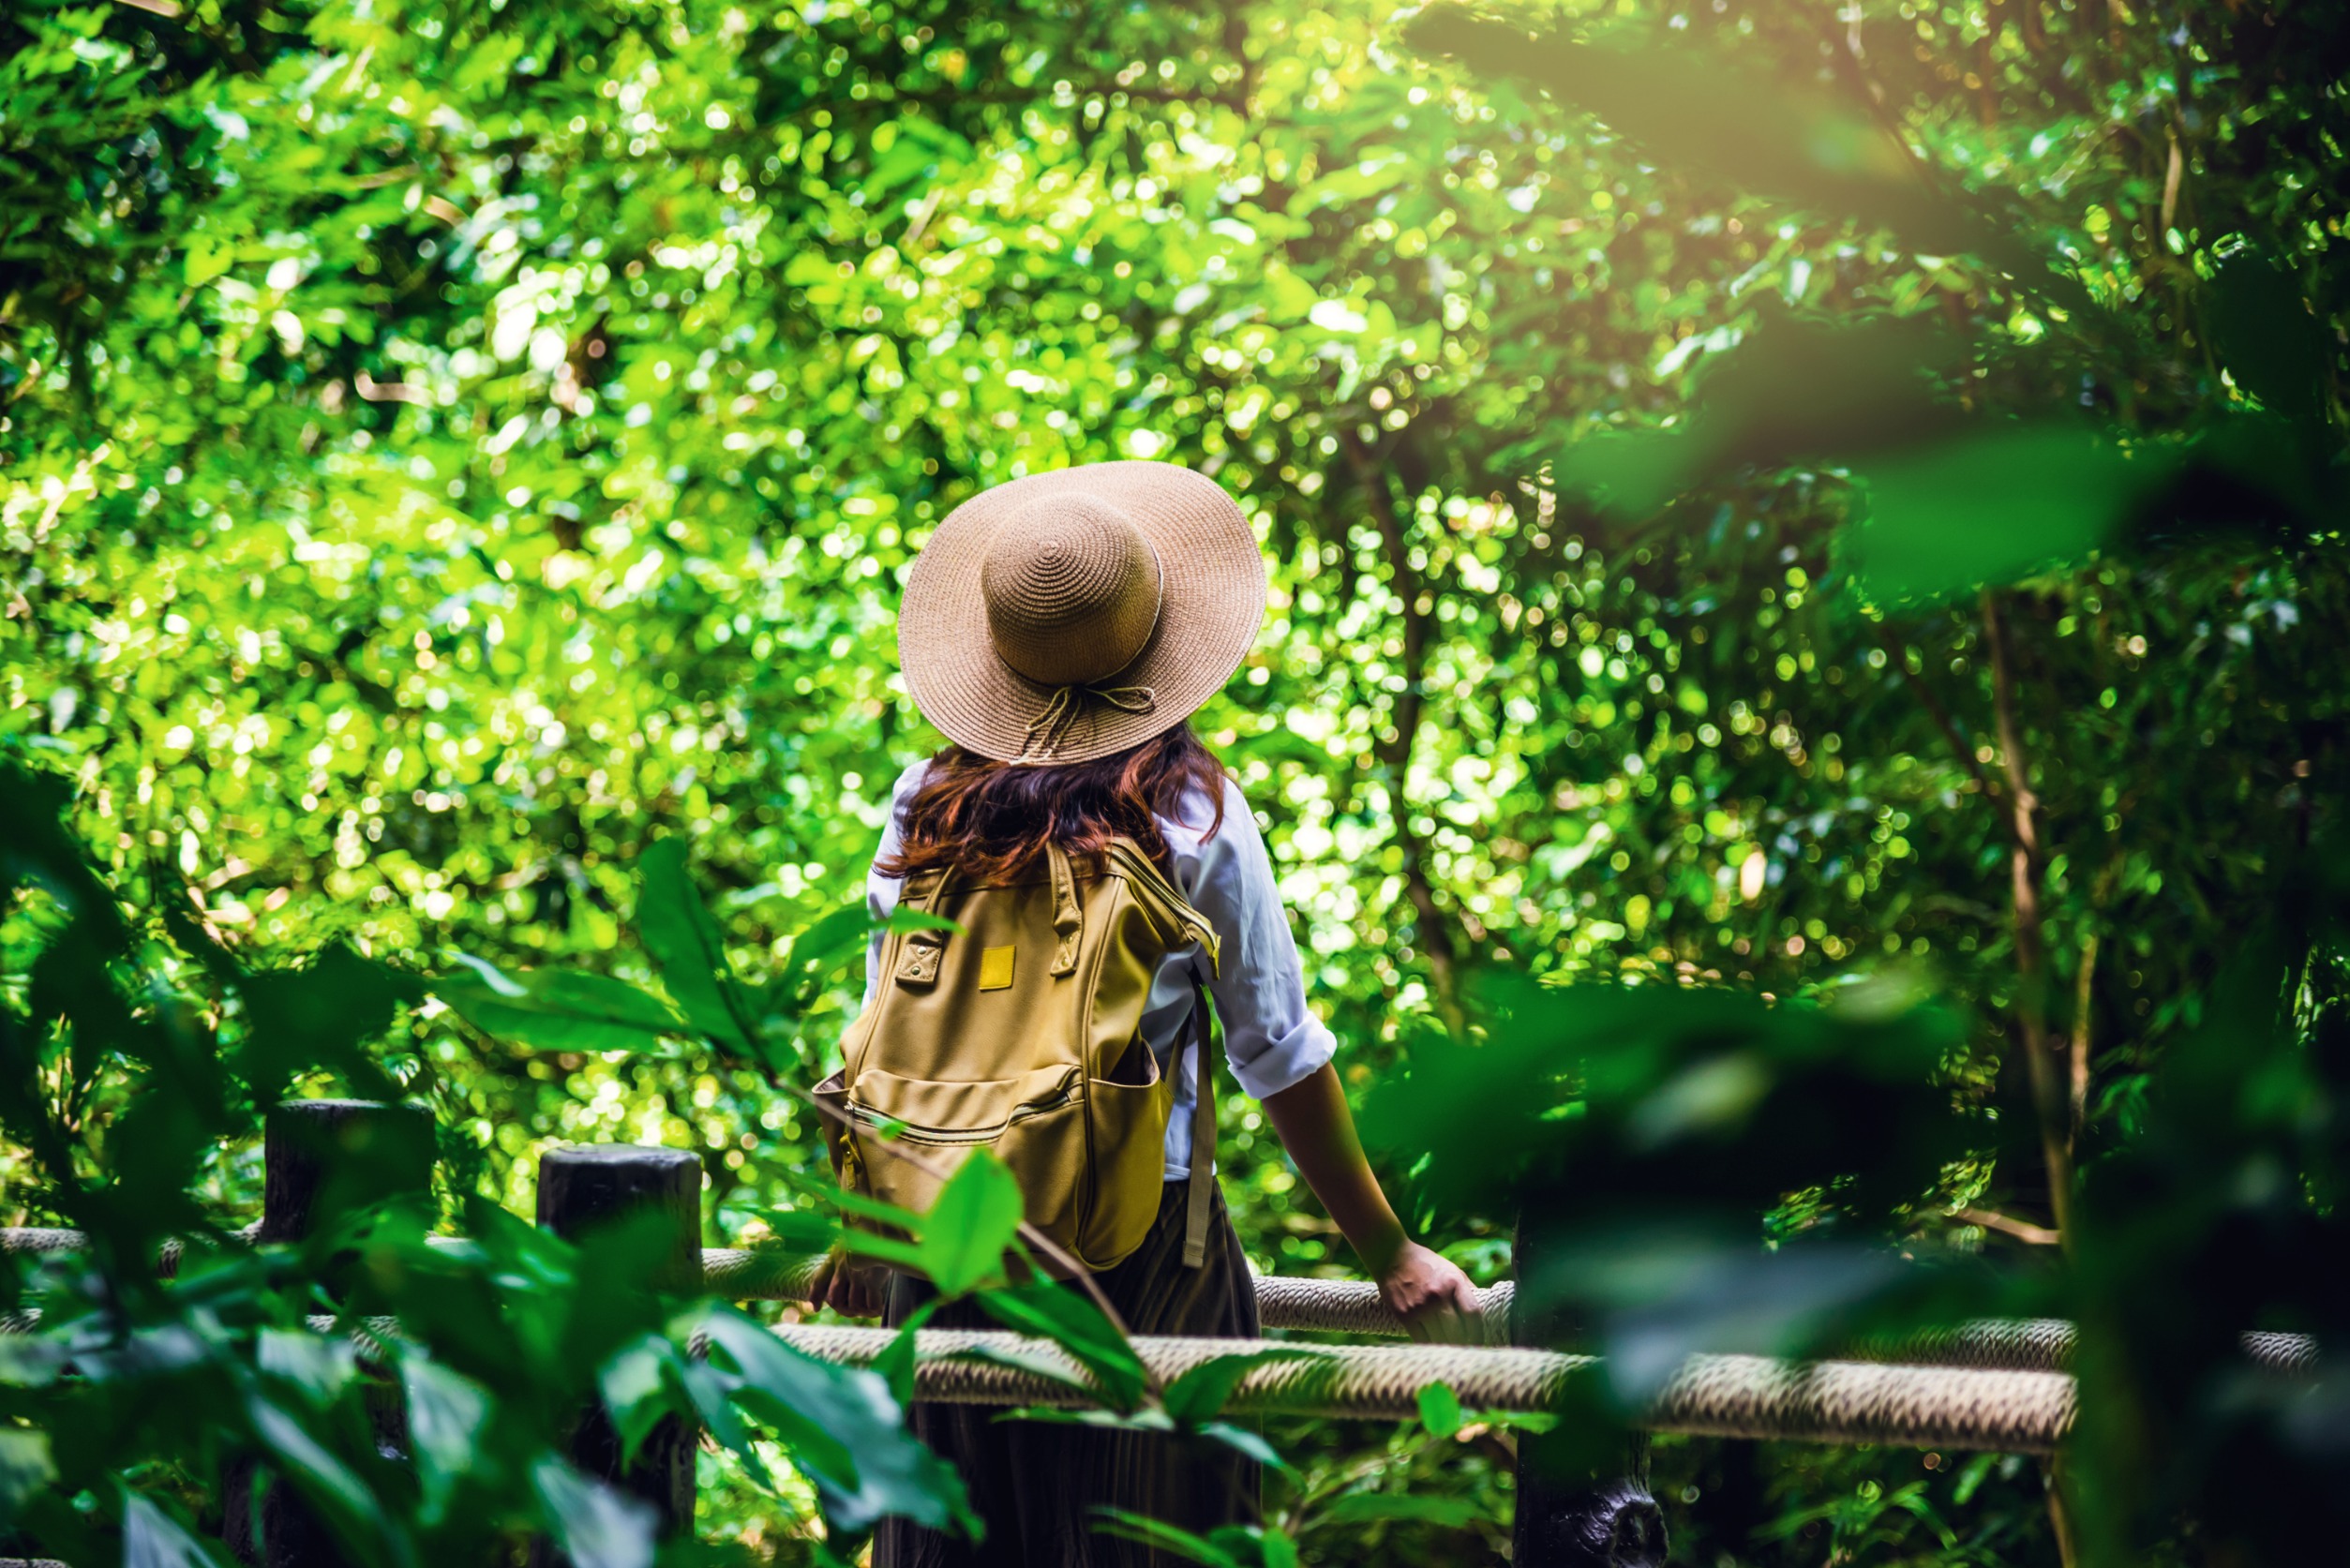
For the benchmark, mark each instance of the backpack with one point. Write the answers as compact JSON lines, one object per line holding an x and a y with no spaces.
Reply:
{"x":1021,"y":1034}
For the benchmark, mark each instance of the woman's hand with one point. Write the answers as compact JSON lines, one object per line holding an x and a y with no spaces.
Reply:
{"x":1432,"y":1295}
{"x":849,"y":1287}
{"x":1433,"y":1298}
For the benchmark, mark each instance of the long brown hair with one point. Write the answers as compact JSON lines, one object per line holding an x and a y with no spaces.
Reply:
{"x":990,"y":820}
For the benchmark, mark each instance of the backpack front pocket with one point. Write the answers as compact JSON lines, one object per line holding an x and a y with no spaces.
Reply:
{"x":1034,"y":1124}
{"x":1128,"y":1130}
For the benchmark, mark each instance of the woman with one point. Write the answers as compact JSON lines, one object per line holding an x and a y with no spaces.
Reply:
{"x":1061,"y":630}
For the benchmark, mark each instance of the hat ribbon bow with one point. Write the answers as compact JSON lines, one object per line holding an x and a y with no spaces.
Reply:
{"x":1048,"y":728}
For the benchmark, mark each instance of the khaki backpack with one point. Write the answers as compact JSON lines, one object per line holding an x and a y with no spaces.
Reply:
{"x":1021,"y":1034}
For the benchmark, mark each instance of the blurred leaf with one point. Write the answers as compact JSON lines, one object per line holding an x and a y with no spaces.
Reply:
{"x":896,"y":1363}
{"x":1692,"y":108}
{"x":320,"y":1368}
{"x":1991,"y":507}
{"x":1069,"y":1318}
{"x":346,"y":1502}
{"x":596,"y":1526}
{"x":1440,"y":1409}
{"x":834,"y":935}
{"x":2273,"y":345}
{"x":1250,"y":1444}
{"x":1202,"y":1392}
{"x":1639,"y":1097}
{"x":26,"y":1468}
{"x":1032,"y":1360}
{"x":1449,"y":1512}
{"x":559,"y":1009}
{"x":1794,"y":390}
{"x":318,"y":1017}
{"x":1659,"y":1295}
{"x":686,"y":943}
{"x":843,"y":1430}
{"x":970,"y":1226}
{"x":155,"y":1539}
{"x":641,"y":1383}
{"x":1168,"y":1538}
{"x":446,"y":1414}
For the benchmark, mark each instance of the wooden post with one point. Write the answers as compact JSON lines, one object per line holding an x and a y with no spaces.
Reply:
{"x":1570,"y":1515}
{"x":582,"y":1187}
{"x":321,"y":1158}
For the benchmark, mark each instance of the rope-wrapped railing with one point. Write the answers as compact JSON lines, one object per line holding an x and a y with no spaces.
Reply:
{"x":1715,"y":1396}
{"x":1353,"y":1306}
{"x":738,"y":1273}
{"x":2046,"y":1345}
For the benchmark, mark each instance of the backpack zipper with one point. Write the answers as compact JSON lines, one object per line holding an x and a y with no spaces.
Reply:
{"x":916,"y":1132}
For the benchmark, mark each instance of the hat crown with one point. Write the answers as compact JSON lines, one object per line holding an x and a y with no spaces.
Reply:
{"x":1071,"y":589}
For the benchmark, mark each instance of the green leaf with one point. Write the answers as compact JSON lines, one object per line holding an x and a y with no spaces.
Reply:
{"x":1245,"y":1442}
{"x":330,"y":1484}
{"x":1167,"y":1538}
{"x":641,"y":1383}
{"x":1440,"y":1409}
{"x":1202,"y":1393}
{"x":971,"y":1225}
{"x":27,"y":1466}
{"x":895,"y":1364}
{"x":844,"y":1428}
{"x":837,"y":934}
{"x":319,"y":1016}
{"x":1032,"y":1360}
{"x":446,"y":1414}
{"x":1069,"y":1318}
{"x":560,"y":1009}
{"x":678,"y":931}
{"x":1994,"y":506}
{"x":153,"y":1538}
{"x":1794,"y":391}
{"x":1698,"y":109}
{"x":883,"y":1248}
{"x":1362,"y":1508}
{"x":320,"y":1366}
{"x":2274,"y":346}
{"x":597,"y":1526}
{"x":208,"y":257}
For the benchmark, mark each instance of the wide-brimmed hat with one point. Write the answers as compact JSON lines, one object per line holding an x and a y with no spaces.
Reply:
{"x":1070,"y":614}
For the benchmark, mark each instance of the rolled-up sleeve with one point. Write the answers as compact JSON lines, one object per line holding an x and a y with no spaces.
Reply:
{"x":1271,"y":1037}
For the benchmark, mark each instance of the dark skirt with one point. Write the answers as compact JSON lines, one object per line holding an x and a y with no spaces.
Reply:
{"x":1039,"y":1486}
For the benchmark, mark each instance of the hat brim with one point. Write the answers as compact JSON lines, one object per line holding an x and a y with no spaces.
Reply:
{"x":1211,"y":605}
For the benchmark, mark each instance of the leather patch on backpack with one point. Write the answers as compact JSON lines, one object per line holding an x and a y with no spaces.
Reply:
{"x":996,"y":968}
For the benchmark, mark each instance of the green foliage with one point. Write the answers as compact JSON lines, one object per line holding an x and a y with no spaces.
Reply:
{"x":458,"y":462}
{"x":501,"y":1339}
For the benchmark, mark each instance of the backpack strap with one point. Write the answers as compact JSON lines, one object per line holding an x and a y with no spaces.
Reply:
{"x":1202,"y":1126}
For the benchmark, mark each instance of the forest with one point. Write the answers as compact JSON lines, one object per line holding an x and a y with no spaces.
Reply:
{"x":1796,"y":723}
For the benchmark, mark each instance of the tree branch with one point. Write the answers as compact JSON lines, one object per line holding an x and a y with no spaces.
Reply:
{"x":2007,"y":1225}
{"x":2083,"y":990}
{"x":1897,"y":651}
{"x":2031,"y":961}
{"x":1394,"y":756}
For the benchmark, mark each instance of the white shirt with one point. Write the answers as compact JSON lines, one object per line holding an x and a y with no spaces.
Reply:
{"x":1270,"y":1038}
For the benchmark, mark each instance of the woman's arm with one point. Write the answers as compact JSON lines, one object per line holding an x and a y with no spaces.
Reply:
{"x":1434,"y":1299}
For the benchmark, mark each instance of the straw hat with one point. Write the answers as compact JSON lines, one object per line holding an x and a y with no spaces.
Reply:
{"x":1070,"y":614}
